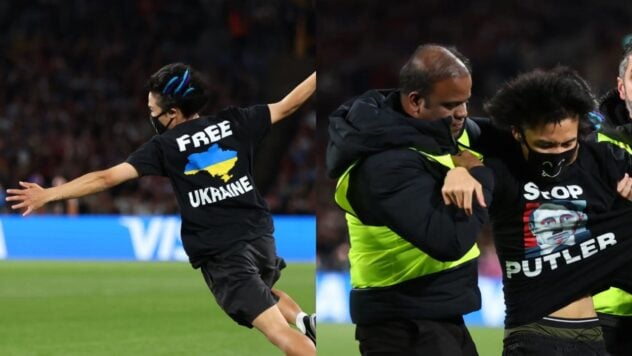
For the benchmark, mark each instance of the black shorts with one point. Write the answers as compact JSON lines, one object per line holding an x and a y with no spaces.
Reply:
{"x":445,"y":337}
{"x":241,"y":278}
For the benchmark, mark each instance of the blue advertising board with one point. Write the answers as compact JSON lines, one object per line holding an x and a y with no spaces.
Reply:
{"x":142,"y":238}
{"x":332,"y":300}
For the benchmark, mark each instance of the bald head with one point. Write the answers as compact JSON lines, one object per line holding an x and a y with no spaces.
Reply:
{"x":436,"y":83}
{"x":430,"y":64}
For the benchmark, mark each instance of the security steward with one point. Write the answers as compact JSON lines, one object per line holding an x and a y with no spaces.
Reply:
{"x":413,"y":256}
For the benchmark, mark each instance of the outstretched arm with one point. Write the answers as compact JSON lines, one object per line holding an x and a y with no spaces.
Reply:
{"x":293,"y":100}
{"x":33,"y":196}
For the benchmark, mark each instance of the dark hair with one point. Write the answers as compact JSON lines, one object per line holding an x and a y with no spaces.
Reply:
{"x":177,"y":85}
{"x":541,"y":97}
{"x":429,"y":64}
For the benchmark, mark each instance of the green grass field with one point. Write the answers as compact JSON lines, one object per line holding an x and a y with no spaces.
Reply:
{"x":113,"y":308}
{"x":337,"y":340}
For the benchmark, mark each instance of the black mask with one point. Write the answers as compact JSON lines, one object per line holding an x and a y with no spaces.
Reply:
{"x":157,"y":125}
{"x":549,"y":166}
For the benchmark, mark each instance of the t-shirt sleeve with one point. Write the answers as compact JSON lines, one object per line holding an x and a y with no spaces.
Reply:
{"x":148,"y":159}
{"x":253,"y":121}
{"x":505,"y":187}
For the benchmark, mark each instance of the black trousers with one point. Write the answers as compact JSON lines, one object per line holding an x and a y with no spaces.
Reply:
{"x":617,"y":333}
{"x":445,"y":337}
{"x":540,"y":345}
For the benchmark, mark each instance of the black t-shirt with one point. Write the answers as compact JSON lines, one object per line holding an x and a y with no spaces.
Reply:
{"x":210,"y":164}
{"x":559,"y":241}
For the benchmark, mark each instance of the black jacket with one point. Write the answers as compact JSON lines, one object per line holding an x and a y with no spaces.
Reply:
{"x":618,"y":124}
{"x":392,"y":185}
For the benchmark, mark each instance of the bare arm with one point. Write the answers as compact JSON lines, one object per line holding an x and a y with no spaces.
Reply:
{"x":459,"y":186}
{"x":292,"y":101}
{"x":33,"y":196}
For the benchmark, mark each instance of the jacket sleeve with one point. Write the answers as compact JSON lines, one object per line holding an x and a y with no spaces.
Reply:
{"x":620,"y":157}
{"x":408,"y":199}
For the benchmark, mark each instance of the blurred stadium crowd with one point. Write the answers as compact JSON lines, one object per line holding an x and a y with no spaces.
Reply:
{"x":501,"y":39}
{"x":72,"y":95}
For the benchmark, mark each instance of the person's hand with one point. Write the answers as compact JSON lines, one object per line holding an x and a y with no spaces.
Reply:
{"x":459,"y":187}
{"x":624,"y":187}
{"x":32,"y":197}
{"x":466,"y":160}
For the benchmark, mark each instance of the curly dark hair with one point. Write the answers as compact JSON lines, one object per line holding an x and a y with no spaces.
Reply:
{"x":542,"y":97}
{"x":177,"y":85}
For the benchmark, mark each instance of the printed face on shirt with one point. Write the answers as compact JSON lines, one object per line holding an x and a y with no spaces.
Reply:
{"x":554,"y":225}
{"x":624,"y":85}
{"x":448,"y":98}
{"x":550,"y":138}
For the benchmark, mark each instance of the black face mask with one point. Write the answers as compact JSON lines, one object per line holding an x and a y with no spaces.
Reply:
{"x":157,"y":125}
{"x":549,"y":166}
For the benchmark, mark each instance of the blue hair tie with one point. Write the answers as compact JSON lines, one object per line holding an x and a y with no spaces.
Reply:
{"x":596,"y":119}
{"x":185,"y":80}
{"x":169,"y":84}
{"x":188,"y":91}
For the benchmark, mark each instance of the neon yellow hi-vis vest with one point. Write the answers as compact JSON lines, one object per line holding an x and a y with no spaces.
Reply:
{"x":613,"y":301}
{"x":378,"y":256}
{"x":604,"y":138}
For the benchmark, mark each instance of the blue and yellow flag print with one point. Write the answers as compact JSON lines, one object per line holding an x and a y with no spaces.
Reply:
{"x":216,"y":161}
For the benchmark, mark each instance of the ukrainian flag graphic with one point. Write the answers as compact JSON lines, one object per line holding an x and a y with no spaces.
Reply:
{"x":216,"y":161}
